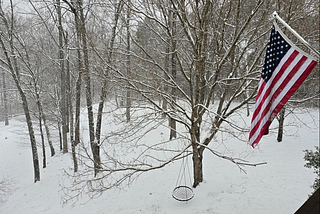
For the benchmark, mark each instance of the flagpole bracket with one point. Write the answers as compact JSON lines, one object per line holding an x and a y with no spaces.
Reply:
{"x":276,"y":16}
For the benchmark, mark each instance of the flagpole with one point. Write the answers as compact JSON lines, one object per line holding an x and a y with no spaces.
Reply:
{"x":275,"y":15}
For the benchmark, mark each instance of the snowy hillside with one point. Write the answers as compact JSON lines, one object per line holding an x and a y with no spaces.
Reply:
{"x":281,"y":186}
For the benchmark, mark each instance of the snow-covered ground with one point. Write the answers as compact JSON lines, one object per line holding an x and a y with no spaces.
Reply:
{"x":281,"y":186}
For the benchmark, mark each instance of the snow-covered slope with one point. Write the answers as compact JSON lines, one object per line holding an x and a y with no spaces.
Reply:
{"x":281,"y":186}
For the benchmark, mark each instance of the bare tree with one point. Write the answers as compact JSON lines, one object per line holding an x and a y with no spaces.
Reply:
{"x":196,"y":62}
{"x":80,"y":22}
{"x":34,"y":64}
{"x":70,"y":110}
{"x":7,"y":42}
{"x":204,"y":55}
{"x":211,"y":58}
{"x":118,"y":8}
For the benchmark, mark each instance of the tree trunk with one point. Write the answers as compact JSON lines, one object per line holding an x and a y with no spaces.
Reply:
{"x":197,"y":169}
{"x":14,"y":69}
{"x":77,"y":113}
{"x":165,"y":85}
{"x":281,"y":121}
{"x":172,"y":121}
{"x":74,"y":156}
{"x":70,"y":119}
{"x":197,"y":154}
{"x":73,"y":145}
{"x":5,"y":101}
{"x":44,"y":119}
{"x":30,"y":129}
{"x":68,"y":82}
{"x":128,"y":98}
{"x":48,"y":133}
{"x":44,"y":162}
{"x":78,"y":84}
{"x":57,"y":95}
{"x":63,"y":108}
{"x":31,"y":135}
{"x":100,"y":110}
{"x":173,"y":128}
{"x":60,"y":135}
{"x":104,"y":87}
{"x":95,"y":147}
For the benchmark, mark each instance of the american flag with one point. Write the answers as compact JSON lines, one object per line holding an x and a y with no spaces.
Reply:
{"x":284,"y":69}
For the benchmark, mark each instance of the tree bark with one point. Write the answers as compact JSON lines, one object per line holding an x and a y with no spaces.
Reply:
{"x":73,"y":145}
{"x":128,"y":97}
{"x":68,"y":82}
{"x":104,"y":87}
{"x":57,"y":95}
{"x":95,"y":147}
{"x":48,"y":132}
{"x":196,"y":156}
{"x":77,"y":113}
{"x":281,"y":122}
{"x":44,"y":162}
{"x":78,"y":82}
{"x":31,"y":135}
{"x":15,"y":73}
{"x":5,"y":100}
{"x":42,"y":117}
{"x":60,"y":135}
{"x":172,"y":121}
{"x":63,"y":108}
{"x":70,"y":119}
{"x":165,"y":85}
{"x":197,"y":169}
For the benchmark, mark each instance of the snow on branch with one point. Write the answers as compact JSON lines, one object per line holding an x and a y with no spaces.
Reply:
{"x":239,"y":162}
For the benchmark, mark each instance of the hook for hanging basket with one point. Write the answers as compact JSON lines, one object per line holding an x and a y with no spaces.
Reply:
{"x":182,"y":193}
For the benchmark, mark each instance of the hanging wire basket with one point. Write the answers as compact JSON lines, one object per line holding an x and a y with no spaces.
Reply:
{"x":183,"y":193}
